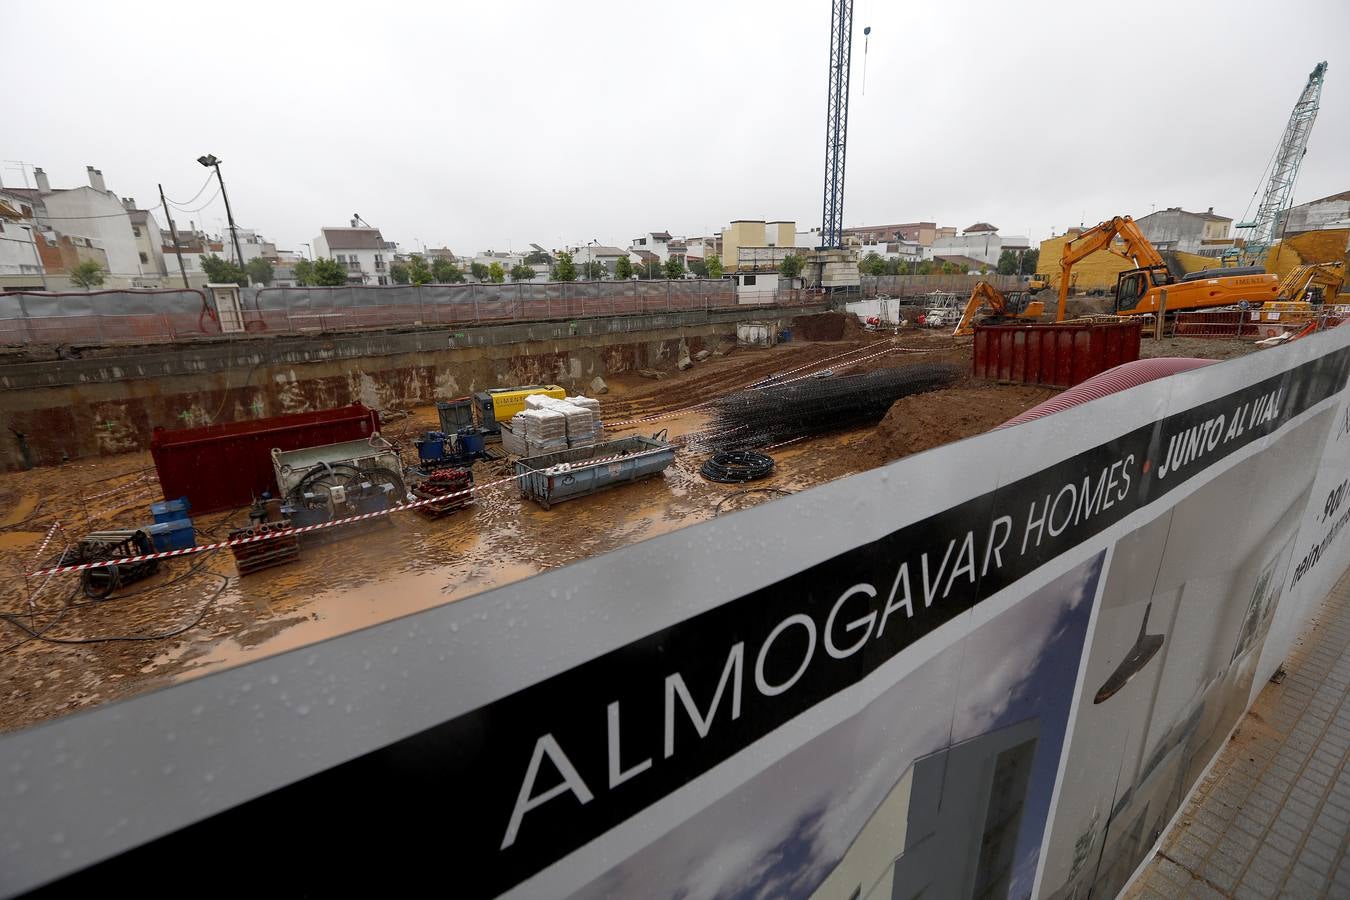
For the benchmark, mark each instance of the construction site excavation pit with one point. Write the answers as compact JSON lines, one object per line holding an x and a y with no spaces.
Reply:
{"x":62,"y":652}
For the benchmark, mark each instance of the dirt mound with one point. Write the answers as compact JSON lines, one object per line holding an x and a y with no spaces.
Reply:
{"x":1086,"y":306}
{"x":830,"y":326}
{"x":923,"y":421}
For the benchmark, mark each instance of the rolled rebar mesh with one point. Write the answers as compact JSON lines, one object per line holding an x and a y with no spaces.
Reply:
{"x":763,"y":416}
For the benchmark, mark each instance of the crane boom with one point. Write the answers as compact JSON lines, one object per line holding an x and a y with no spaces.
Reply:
{"x":1263,"y":230}
{"x":1102,"y":237}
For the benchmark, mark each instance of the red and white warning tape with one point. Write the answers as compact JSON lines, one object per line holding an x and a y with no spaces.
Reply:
{"x":47,"y":539}
{"x":120,"y":488}
{"x":332,"y":523}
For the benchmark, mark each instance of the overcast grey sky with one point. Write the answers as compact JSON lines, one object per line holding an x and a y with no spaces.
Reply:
{"x":495,"y":124}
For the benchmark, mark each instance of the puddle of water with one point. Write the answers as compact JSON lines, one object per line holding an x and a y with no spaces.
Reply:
{"x":17,"y":540}
{"x":418,"y":563}
{"x":20,"y":511}
{"x":342,"y":610}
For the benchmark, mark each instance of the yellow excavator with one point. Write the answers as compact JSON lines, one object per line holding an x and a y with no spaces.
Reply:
{"x":1141,"y":290}
{"x":1303,"y":292}
{"x":992,"y":306}
{"x":1313,"y":283}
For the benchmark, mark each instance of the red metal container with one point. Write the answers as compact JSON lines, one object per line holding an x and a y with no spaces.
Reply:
{"x":225,"y":466}
{"x":1053,"y":355}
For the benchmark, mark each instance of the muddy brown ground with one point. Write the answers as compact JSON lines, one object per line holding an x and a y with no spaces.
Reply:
{"x":409,"y":563}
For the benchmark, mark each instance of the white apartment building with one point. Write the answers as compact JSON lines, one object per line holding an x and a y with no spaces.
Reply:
{"x":362,"y":250}
{"x":20,"y":260}
{"x":605,"y":255}
{"x":251,"y":245}
{"x":657,"y":242}
{"x":149,"y":248}
{"x":96,"y":214}
{"x":980,"y":242}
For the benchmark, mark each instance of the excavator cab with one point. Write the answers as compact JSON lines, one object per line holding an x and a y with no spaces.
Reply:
{"x":1133,"y":285}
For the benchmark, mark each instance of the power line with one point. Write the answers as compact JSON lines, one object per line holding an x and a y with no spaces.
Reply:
{"x":82,"y":218}
{"x":194,"y":196}
{"x":200,"y":208}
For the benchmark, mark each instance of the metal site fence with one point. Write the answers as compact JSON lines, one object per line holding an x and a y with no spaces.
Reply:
{"x":1225,"y":324}
{"x":104,"y":317}
{"x":302,"y":309}
{"x":918,"y":285}
{"x":158,"y":316}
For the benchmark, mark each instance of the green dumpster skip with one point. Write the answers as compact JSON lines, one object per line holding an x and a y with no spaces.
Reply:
{"x":566,"y":474}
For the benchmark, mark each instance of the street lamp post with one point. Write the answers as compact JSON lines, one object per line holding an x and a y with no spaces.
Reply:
{"x":211,"y":162}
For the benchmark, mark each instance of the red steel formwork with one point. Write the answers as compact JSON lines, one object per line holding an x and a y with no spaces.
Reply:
{"x":1052,"y":355}
{"x":225,"y":466}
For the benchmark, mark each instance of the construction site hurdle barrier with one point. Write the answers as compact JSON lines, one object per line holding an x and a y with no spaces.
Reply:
{"x":1067,"y":618}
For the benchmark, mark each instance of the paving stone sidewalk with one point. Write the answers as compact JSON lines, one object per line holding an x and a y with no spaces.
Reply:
{"x":1272,"y":819}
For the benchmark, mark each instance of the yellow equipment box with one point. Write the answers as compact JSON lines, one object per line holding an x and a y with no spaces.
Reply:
{"x":500,"y":404}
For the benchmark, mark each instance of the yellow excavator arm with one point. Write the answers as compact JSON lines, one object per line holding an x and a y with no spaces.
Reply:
{"x":1330,"y":276}
{"x":986,"y":295}
{"x":1102,"y":237}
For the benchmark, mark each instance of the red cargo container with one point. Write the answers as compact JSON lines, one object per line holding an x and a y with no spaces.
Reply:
{"x":224,"y":466}
{"x":1053,"y":355}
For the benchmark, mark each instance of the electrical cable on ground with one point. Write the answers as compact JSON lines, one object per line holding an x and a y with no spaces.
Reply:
{"x":40,"y":634}
{"x":737,"y":466}
{"x":767,"y":491}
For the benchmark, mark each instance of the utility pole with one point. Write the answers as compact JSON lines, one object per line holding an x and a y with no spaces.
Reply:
{"x":211,"y":161}
{"x":173,"y":232}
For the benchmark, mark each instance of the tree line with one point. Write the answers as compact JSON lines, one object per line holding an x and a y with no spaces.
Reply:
{"x":1010,"y":262}
{"x":325,"y":272}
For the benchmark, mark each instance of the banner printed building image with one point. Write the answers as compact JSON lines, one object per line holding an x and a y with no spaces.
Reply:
{"x":956,"y":813}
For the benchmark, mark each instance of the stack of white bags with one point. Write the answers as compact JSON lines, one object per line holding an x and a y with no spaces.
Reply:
{"x":590,"y":403}
{"x":548,"y":424}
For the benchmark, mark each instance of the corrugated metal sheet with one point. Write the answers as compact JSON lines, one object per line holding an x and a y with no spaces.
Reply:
{"x":1052,"y":355}
{"x":225,"y":466}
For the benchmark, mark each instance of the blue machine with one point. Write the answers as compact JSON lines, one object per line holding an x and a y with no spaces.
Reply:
{"x":469,"y":441}
{"x":431,"y":446}
{"x":439,"y":450}
{"x":170,"y":510}
{"x":177,"y":534}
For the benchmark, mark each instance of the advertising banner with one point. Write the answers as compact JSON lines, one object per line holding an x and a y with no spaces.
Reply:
{"x":995,"y":669}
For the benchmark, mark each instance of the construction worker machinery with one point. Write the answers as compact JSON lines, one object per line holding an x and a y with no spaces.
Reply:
{"x":1151,"y":287}
{"x":1265,"y":229}
{"x":1313,"y":283}
{"x":993,"y":307}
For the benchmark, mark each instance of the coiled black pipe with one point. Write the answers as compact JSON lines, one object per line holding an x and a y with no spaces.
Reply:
{"x":737,"y":466}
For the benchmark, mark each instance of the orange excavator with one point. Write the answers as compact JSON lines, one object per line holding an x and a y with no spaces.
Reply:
{"x":1141,"y":290}
{"x":993,"y":307}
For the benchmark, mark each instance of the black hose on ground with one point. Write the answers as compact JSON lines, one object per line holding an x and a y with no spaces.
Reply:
{"x":767,"y":493}
{"x":737,"y":466}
